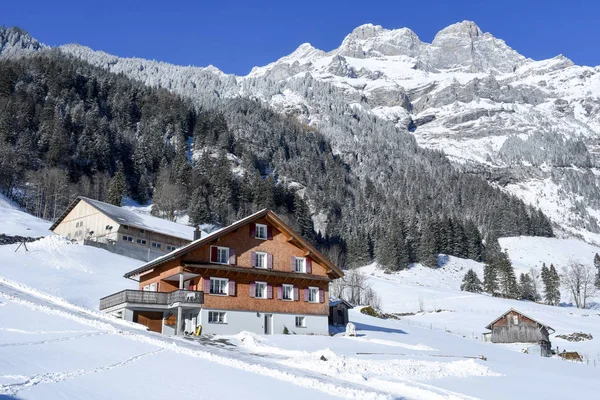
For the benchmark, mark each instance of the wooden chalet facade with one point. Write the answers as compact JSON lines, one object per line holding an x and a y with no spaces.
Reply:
{"x":256,"y":275}
{"x":516,"y":327}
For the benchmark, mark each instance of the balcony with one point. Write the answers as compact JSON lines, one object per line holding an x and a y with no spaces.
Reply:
{"x":181,"y":297}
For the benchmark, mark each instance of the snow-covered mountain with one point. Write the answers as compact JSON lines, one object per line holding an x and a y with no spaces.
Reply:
{"x":531,"y":127}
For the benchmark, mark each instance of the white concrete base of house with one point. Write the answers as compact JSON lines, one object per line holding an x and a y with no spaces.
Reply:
{"x":233,"y":321}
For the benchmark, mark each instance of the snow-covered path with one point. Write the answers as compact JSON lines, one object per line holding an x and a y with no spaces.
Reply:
{"x":113,"y":344}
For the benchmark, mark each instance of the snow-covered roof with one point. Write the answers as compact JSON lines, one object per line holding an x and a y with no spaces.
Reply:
{"x":335,"y":301}
{"x":127,"y":217}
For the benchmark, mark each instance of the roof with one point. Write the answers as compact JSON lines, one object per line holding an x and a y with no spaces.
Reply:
{"x":265,"y":213}
{"x":127,"y":217}
{"x":334,"y":302}
{"x":489,"y":326}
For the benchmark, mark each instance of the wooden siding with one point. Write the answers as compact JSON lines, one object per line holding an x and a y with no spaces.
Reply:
{"x":338,"y":315}
{"x":243,"y":244}
{"x":150,"y":319}
{"x":525,"y":331}
{"x":93,"y":221}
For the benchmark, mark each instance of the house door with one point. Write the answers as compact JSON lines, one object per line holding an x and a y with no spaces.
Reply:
{"x":268,"y":324}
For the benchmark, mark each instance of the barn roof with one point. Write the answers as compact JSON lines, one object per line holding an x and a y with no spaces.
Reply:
{"x":127,"y":217}
{"x":520,"y":313}
{"x":265,"y":213}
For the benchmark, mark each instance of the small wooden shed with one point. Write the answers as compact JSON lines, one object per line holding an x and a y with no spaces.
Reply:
{"x":515,"y":327}
{"x":338,"y":312}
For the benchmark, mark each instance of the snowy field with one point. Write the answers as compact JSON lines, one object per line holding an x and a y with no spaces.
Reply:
{"x":54,"y":345}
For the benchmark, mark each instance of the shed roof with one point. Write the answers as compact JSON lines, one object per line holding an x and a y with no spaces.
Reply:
{"x":265,"y":213}
{"x":489,"y":326}
{"x":127,"y":217}
{"x":334,"y":302}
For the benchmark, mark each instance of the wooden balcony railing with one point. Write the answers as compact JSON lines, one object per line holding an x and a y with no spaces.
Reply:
{"x":150,"y":298}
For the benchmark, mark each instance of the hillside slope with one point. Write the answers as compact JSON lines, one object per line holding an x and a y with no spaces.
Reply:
{"x":48,"y":298}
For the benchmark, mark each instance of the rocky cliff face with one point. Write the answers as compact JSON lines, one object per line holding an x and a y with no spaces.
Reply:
{"x":531,"y":127}
{"x":15,"y":42}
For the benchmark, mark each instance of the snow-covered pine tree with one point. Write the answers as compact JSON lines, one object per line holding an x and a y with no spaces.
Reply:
{"x":490,"y":279}
{"x":116,"y":189}
{"x":198,"y":208}
{"x":555,"y":285}
{"x":526,"y":289}
{"x":471,"y":282}
{"x":506,"y":274}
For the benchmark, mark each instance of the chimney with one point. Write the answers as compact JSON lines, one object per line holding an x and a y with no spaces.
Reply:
{"x":197,"y":233}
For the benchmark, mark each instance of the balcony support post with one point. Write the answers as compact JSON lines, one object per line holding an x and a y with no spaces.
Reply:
{"x":180,"y":281}
{"x":179,"y":320}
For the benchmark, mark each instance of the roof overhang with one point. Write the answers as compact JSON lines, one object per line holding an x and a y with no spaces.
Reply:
{"x":333,"y":272}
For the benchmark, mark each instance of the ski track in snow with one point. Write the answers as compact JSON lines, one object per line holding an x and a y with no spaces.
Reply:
{"x":36,"y":300}
{"x":56,"y":377}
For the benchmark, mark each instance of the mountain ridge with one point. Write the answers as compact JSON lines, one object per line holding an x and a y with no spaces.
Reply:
{"x":530,"y":127}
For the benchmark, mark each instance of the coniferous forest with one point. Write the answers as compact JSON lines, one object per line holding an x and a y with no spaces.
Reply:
{"x":68,"y":129}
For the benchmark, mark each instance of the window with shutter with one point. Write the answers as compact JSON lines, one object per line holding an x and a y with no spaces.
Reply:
{"x":261,"y":231}
{"x":313,"y":294}
{"x":219,"y":255}
{"x":260,"y":290}
{"x":219,"y":286}
{"x":288,"y":292}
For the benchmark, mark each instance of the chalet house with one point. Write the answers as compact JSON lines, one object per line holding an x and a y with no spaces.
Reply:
{"x":516,"y":327}
{"x":256,"y":275}
{"x":122,"y":231}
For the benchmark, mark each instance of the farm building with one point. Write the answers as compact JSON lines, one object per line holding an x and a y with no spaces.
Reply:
{"x":338,"y":312}
{"x":515,"y":327}
{"x":122,"y":231}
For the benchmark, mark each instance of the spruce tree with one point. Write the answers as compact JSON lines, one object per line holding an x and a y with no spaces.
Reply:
{"x":526,"y":289}
{"x":547,"y":284}
{"x":506,"y":274}
{"x":490,"y":279}
{"x":198,"y":210}
{"x":471,"y":282}
{"x":116,"y":188}
{"x":555,"y":285}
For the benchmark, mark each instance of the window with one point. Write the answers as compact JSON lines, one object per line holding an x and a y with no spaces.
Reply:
{"x":127,"y":238}
{"x":170,"y":248}
{"x":300,"y":322}
{"x":157,"y":245}
{"x":218,"y":286}
{"x":142,"y":231}
{"x":125,"y":227}
{"x":78,"y":224}
{"x":261,"y":231}
{"x":261,"y":260}
{"x":153,"y":287}
{"x":140,"y":241}
{"x":300,"y":264}
{"x":313,"y":295}
{"x":515,"y":320}
{"x":288,"y":292}
{"x":217,"y":317}
{"x":260,"y":290}
{"x":220,"y":255}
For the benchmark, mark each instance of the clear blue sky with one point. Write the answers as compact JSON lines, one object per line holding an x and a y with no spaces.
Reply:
{"x":236,"y":35}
